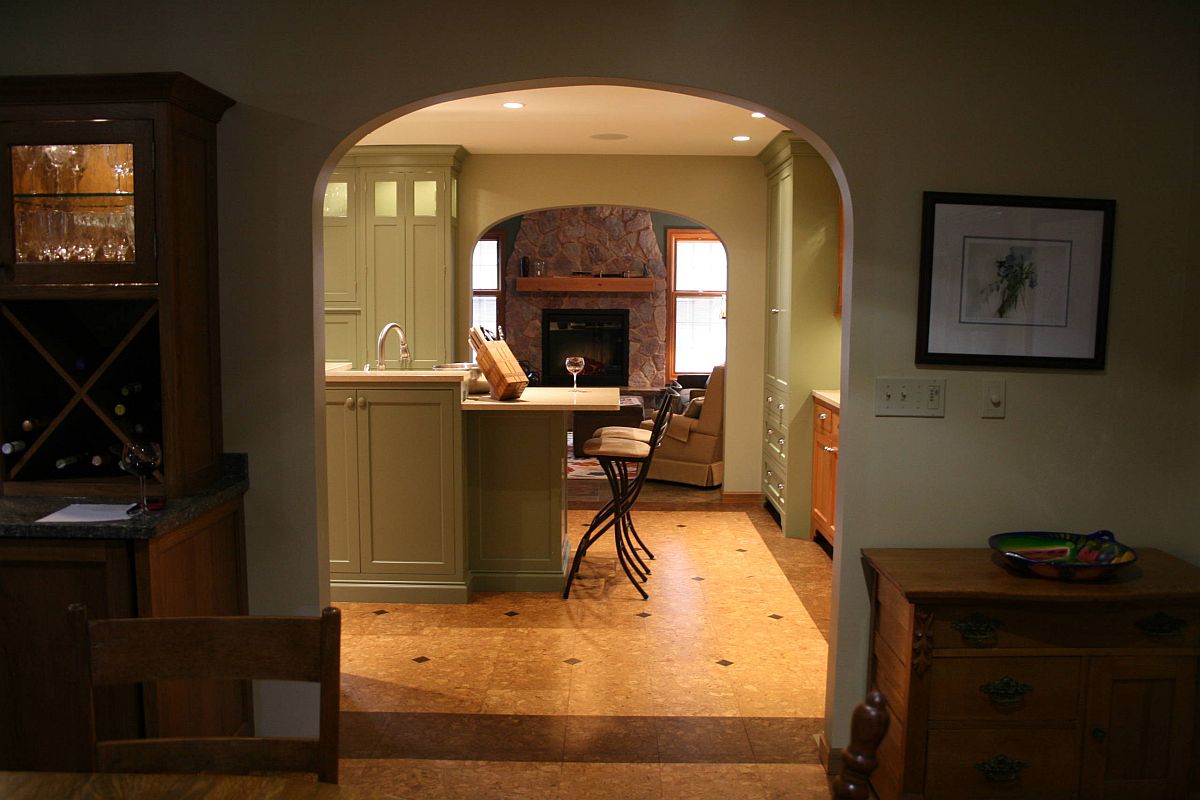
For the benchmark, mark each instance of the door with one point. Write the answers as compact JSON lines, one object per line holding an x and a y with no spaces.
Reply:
{"x":341,"y":458}
{"x":779,"y":277}
{"x":1138,"y":728}
{"x":408,"y":469}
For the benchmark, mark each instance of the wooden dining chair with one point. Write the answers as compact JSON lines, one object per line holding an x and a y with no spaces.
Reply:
{"x":867,"y":728}
{"x":127,"y":651}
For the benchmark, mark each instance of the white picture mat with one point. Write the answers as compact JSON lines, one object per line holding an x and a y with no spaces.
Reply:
{"x":954,"y":223}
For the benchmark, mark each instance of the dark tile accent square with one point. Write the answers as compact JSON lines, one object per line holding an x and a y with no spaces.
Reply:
{"x":511,"y":614}
{"x":572,"y":661}
{"x":681,"y":526}
{"x":724,"y":663}
{"x":775,"y":616}
{"x":741,"y":550}
{"x":645,"y":614}
{"x":703,"y":739}
{"x":697,"y":578}
{"x":380,"y":611}
{"x":516,"y":737}
{"x":615,"y":739}
{"x":421,"y":659}
{"x":783,"y":740}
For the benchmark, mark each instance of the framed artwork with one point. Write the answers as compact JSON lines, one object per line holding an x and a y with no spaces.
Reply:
{"x":1014,"y":281}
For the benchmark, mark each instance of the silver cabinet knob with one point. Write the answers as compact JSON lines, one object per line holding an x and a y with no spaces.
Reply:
{"x":362,"y":402}
{"x":776,"y":310}
{"x":781,"y":406}
{"x":770,"y":399}
{"x":781,"y":441}
{"x":770,"y":474}
{"x":349,"y":403}
{"x":781,"y":487}
{"x":822,"y":415}
{"x":829,"y":449}
{"x":770,"y":431}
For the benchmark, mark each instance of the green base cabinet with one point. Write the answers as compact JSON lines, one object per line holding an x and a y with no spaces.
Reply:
{"x":395,"y":494}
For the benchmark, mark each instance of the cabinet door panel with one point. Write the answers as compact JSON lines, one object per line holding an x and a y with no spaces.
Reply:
{"x":407,"y":471}
{"x":339,"y":215}
{"x":385,"y":245}
{"x":1140,"y":714}
{"x":1048,"y":769}
{"x":341,"y":458}
{"x":344,"y":337}
{"x":427,"y":292}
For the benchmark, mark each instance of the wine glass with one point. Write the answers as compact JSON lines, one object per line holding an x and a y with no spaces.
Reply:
{"x":575,"y":366}
{"x":141,"y":459}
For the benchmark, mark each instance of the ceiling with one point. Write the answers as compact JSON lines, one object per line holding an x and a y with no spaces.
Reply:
{"x":566,"y":120}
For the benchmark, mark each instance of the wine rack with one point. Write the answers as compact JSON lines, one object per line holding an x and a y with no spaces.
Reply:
{"x":108,"y":283}
{"x":86,"y":375}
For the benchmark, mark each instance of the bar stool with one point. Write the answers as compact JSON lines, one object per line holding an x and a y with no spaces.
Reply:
{"x":616,"y":455}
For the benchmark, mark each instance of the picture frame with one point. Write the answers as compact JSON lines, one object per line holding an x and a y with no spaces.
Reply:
{"x":1014,"y":280}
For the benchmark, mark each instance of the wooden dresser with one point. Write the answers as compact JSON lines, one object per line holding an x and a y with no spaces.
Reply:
{"x":1005,"y":686}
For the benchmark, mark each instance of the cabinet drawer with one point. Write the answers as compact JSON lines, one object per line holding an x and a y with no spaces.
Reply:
{"x":774,"y":478}
{"x":1019,"y":689}
{"x":775,"y":403}
{"x":775,"y":436}
{"x":1083,"y":626}
{"x":958,"y":760}
{"x":825,"y":420}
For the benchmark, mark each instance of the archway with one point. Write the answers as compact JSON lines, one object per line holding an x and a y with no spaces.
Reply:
{"x":568,"y":193}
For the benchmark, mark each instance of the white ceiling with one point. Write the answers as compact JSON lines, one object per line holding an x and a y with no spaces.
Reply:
{"x":563,"y":120}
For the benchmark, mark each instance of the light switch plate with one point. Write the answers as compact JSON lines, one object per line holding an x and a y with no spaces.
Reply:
{"x":992,"y":403}
{"x":910,"y":397}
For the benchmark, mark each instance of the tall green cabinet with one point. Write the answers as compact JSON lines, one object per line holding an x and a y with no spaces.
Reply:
{"x":390,"y":218}
{"x":803,"y":336}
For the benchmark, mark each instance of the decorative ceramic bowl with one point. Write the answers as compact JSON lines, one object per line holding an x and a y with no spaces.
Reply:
{"x":1063,"y":556}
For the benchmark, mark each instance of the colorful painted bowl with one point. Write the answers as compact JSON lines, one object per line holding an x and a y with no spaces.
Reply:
{"x":1063,"y":556}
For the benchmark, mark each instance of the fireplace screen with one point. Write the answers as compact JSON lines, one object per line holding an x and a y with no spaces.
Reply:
{"x":600,"y":336}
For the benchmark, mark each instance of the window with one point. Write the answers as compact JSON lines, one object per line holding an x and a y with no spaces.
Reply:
{"x":697,"y":277}
{"x":486,"y":282}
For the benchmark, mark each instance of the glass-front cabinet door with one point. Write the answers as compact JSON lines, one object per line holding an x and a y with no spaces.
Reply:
{"x":77,"y":203}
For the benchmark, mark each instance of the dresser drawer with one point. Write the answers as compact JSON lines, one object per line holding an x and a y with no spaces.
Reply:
{"x":1081,"y":626}
{"x":960,"y":761}
{"x":1018,"y":689}
{"x":775,"y":404}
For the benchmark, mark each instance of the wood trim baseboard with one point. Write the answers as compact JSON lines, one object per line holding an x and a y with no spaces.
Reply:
{"x":830,"y":757}
{"x":741,"y":498}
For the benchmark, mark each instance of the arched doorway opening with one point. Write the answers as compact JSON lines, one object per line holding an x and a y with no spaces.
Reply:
{"x":747,"y":295}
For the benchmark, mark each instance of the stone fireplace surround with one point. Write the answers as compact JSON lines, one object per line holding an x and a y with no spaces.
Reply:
{"x":591,"y":239}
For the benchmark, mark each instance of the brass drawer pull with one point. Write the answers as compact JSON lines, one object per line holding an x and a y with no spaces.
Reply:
{"x":1006,"y":691}
{"x":977,"y":629}
{"x":1001,"y":769}
{"x":1161,"y":625}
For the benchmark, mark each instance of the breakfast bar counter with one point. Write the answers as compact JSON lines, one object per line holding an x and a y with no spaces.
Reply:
{"x":435,"y":493}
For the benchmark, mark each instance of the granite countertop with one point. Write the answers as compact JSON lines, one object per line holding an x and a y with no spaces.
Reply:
{"x":18,"y":515}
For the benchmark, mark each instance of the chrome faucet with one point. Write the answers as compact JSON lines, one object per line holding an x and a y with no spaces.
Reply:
{"x":405,"y":353}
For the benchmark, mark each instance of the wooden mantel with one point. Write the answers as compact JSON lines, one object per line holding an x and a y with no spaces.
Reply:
{"x":585,"y":284}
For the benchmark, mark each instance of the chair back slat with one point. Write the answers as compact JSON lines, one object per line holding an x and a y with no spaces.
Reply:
{"x":143,"y":650}
{"x":218,"y":754}
{"x":238,"y":648}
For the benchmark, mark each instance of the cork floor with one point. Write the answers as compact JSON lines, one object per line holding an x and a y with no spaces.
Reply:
{"x":714,"y":687}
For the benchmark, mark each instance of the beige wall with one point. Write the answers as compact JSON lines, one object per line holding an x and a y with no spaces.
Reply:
{"x":726,"y":194}
{"x":1029,"y":98}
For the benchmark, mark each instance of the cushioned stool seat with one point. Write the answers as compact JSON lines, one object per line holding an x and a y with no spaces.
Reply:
{"x":621,"y":432}
{"x":616,"y":447}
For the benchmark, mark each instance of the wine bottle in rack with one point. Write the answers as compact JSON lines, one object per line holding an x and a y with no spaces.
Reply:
{"x":102,"y":459}
{"x":13,"y":447}
{"x":31,"y":425}
{"x":132,"y":388}
{"x":71,"y":460}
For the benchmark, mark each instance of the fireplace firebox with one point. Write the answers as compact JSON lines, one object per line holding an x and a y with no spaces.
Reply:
{"x":601,"y":336}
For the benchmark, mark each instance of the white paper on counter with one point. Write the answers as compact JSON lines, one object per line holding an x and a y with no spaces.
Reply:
{"x":84,"y":512}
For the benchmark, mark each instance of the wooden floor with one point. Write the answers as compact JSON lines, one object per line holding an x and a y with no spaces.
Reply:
{"x":714,"y":687}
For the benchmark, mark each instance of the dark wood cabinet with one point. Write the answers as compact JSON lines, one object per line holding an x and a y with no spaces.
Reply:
{"x":108,"y":282}
{"x":1006,"y":686}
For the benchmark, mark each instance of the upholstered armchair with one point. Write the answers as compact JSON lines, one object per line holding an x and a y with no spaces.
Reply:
{"x":692,"y":445}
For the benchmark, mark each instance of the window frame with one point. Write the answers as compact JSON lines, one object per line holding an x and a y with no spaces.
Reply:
{"x":496,"y":235}
{"x":673,"y":236}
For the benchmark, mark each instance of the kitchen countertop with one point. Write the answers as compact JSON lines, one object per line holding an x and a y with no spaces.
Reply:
{"x":18,"y":515}
{"x":550,"y":398}
{"x":339,"y":373}
{"x":831,"y":396}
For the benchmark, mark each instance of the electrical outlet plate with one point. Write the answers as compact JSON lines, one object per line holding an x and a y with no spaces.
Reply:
{"x":910,"y":397}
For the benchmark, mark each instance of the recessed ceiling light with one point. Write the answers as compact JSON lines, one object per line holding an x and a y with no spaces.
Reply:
{"x":513,"y":104}
{"x":757,"y":114}
{"x":741,"y":138}
{"x":609,"y":137}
